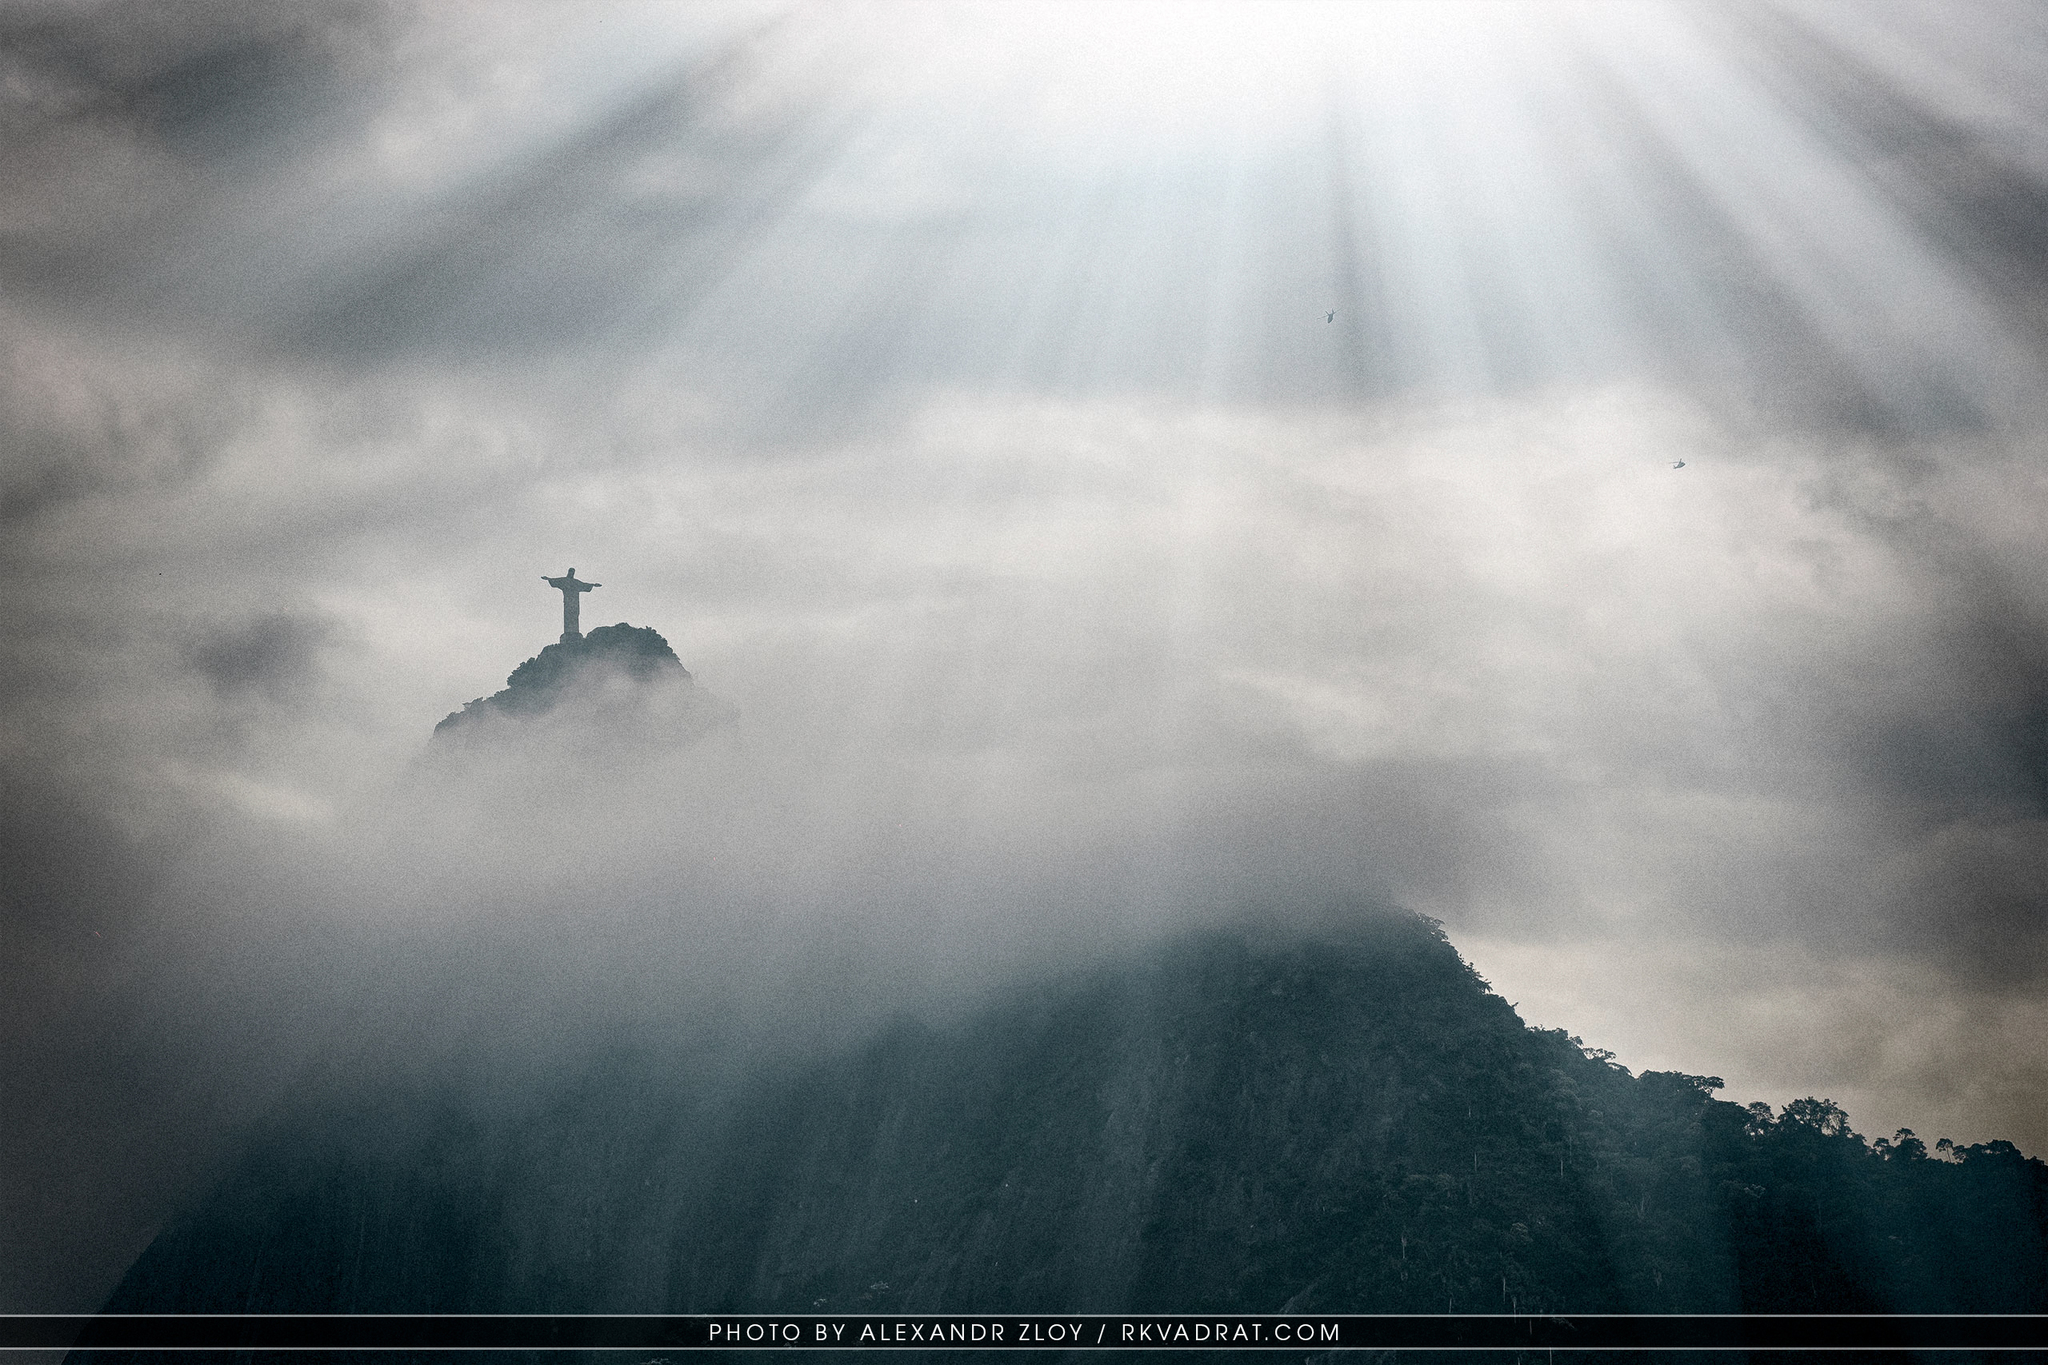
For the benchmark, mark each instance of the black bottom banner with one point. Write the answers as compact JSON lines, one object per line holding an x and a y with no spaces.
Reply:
{"x":1078,"y":1331}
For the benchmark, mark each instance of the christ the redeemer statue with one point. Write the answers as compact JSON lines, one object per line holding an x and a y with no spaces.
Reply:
{"x":572,"y":593}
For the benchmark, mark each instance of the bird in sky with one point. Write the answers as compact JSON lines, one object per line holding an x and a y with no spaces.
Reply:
{"x":1679,"y":465}
{"x":1330,"y":318}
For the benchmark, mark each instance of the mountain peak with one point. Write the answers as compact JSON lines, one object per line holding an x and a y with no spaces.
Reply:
{"x":634,"y":653}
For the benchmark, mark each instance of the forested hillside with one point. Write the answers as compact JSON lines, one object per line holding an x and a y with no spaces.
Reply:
{"x":1242,"y":1121}
{"x":539,"y":684}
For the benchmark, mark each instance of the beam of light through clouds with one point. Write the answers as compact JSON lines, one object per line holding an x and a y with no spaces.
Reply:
{"x":952,"y":385}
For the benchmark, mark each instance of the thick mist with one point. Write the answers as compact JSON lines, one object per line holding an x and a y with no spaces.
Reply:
{"x":1570,"y":470}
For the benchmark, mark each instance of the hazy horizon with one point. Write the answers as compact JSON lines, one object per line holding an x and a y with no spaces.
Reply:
{"x":1571,"y":470}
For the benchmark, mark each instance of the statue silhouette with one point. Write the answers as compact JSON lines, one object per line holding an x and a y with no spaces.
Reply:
{"x":572,"y":594}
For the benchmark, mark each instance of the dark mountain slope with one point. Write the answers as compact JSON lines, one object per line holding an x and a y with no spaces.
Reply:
{"x":1237,"y":1121}
{"x":1354,"y":1125}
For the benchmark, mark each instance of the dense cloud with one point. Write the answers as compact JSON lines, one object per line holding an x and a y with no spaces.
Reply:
{"x":961,"y":404}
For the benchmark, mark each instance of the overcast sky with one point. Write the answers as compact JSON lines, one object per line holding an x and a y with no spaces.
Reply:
{"x":1119,"y":464}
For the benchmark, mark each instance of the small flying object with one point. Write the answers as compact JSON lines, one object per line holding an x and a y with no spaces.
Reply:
{"x":1679,"y":465}
{"x":1330,"y":318}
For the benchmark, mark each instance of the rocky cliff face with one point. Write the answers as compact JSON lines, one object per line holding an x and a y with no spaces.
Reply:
{"x":1238,"y":1121}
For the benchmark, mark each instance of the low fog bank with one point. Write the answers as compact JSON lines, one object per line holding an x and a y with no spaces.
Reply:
{"x":500,"y":918}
